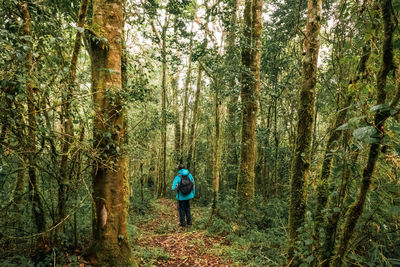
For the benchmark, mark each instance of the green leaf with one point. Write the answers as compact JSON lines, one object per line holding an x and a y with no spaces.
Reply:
{"x":380,"y":107}
{"x":310,"y":258}
{"x":354,"y":121}
{"x":336,"y":209}
{"x":343,"y":127}
{"x":364,"y":132}
{"x":394,"y":211}
{"x":308,"y":241}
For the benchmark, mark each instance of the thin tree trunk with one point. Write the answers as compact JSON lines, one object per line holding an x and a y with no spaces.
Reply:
{"x":356,"y":209}
{"x":141,"y":181}
{"x":251,"y":56}
{"x":186,"y":103}
{"x":233,"y":117}
{"x":328,"y":246}
{"x":110,"y":246}
{"x":266,"y":163}
{"x":314,"y":146}
{"x":162,"y":185}
{"x":78,"y":158}
{"x":177,"y":124}
{"x":195,"y":115}
{"x":37,"y":205}
{"x":216,"y":156}
{"x":333,"y":138}
{"x":66,"y":115}
{"x":262,"y":173}
{"x":276,"y":138}
{"x":302,"y":152}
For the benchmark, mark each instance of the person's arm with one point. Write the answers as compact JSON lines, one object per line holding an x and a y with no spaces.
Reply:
{"x":175,"y":183}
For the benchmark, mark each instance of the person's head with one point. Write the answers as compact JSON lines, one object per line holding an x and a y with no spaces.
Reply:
{"x":181,"y":166}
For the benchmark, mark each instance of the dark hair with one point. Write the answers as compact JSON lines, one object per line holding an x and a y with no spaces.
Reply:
{"x":181,"y":166}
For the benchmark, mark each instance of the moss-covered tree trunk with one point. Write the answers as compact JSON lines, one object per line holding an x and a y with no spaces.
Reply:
{"x":276,"y":146}
{"x":37,"y":205}
{"x":217,"y":153}
{"x":186,"y":103}
{"x":302,"y":150}
{"x":356,"y":209}
{"x":110,"y":246}
{"x":265,"y":181}
{"x":232,"y":121}
{"x":191,"y":142}
{"x":66,"y":117}
{"x":331,"y":227}
{"x":251,"y":55}
{"x":163,"y":168}
{"x":331,"y":144}
{"x":177,"y":124}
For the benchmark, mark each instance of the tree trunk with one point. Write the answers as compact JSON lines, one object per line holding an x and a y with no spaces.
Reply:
{"x":266,"y":163}
{"x":251,"y":56}
{"x":162,"y":186}
{"x":262,"y":166}
{"x":333,"y":138}
{"x":177,"y":141}
{"x":330,"y":229}
{"x":37,"y":205}
{"x":356,"y":209}
{"x":185,"y":104}
{"x":195,"y":115}
{"x":66,"y":117}
{"x":216,"y":156}
{"x":302,"y":152}
{"x":231,"y":127}
{"x":110,"y":245}
{"x":276,"y":139}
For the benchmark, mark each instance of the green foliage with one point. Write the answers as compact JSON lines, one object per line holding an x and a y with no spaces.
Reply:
{"x":147,"y":256}
{"x":258,"y":239}
{"x":17,"y":260}
{"x":219,"y":227}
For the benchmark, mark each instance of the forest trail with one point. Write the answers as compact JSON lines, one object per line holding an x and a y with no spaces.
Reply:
{"x":178,"y":246}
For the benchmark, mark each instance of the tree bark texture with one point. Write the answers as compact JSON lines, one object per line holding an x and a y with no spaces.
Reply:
{"x":356,"y":209}
{"x":302,"y":151}
{"x":332,"y":144}
{"x":110,"y":245}
{"x":231,"y":128}
{"x":66,"y":115}
{"x":195,"y":116}
{"x":216,"y":156}
{"x":37,"y":205}
{"x":161,"y":183}
{"x":177,"y":124}
{"x":186,"y":103}
{"x":251,"y":56}
{"x":331,"y":227}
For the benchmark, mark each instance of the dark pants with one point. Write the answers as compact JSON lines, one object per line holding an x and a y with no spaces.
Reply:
{"x":184,"y":211}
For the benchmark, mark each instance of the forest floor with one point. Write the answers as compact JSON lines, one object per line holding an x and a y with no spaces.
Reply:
{"x":162,"y":242}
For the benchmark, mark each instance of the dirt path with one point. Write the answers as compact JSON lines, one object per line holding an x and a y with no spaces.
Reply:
{"x":175,"y":246}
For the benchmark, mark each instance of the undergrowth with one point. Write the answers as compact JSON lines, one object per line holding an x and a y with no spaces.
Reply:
{"x":259,"y":239}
